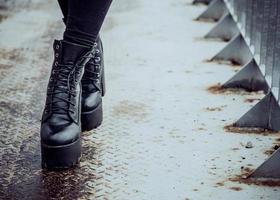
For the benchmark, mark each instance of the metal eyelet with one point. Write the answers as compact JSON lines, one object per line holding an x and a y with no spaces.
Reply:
{"x":95,"y":44}
{"x":57,"y":47}
{"x":97,"y":51}
{"x":97,"y":59}
{"x":56,"y":55}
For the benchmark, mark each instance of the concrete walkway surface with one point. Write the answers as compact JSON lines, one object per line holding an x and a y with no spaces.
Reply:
{"x":163,"y":134}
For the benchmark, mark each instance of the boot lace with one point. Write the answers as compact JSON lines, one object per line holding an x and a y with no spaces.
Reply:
{"x":62,"y":87}
{"x":92,"y":74}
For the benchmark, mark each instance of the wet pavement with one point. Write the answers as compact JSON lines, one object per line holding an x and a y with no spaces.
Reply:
{"x":163,"y":133}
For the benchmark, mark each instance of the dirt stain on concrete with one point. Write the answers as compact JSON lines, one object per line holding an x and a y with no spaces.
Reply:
{"x":213,"y":109}
{"x":211,"y":39}
{"x":8,"y":59}
{"x":130,"y":109}
{"x":3,"y":11}
{"x":231,"y":63}
{"x":235,"y":188}
{"x":205,"y":20}
{"x":251,"y":100}
{"x":14,"y":55}
{"x":276,"y":146}
{"x":2,"y":17}
{"x":220,"y":184}
{"x":249,"y":130}
{"x":220,"y":89}
{"x":244,"y":178}
{"x":272,"y":150}
{"x":216,"y":89}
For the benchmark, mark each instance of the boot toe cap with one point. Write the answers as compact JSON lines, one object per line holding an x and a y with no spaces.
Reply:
{"x":59,"y":135}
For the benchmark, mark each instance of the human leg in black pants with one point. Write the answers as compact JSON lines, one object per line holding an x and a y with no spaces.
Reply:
{"x":93,"y":81}
{"x":76,"y":53}
{"x":83,"y":19}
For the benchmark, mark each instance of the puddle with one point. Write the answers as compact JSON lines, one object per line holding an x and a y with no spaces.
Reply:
{"x":30,"y":180}
{"x":21,"y":176}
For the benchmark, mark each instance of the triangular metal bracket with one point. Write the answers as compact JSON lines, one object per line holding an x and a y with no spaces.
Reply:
{"x":235,"y":51}
{"x":249,"y":78}
{"x":269,"y":169}
{"x":206,"y":2}
{"x":225,"y":29}
{"x":215,"y":10}
{"x":265,"y":114}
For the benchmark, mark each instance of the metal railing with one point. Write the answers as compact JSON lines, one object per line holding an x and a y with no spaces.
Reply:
{"x":252,"y":28}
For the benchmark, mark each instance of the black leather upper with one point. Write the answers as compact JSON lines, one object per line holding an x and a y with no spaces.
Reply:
{"x":61,"y":117}
{"x":92,"y":88}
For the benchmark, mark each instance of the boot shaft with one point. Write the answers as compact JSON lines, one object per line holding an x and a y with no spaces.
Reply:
{"x":94,"y":71}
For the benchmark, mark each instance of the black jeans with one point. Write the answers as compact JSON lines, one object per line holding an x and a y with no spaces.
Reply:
{"x":83,"y":19}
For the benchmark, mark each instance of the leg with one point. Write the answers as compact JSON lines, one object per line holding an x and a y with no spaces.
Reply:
{"x":61,"y":124}
{"x":64,"y":8}
{"x":84,"y":19}
{"x":61,"y":119}
{"x":93,"y":81}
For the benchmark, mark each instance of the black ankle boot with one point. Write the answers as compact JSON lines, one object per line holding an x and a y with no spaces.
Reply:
{"x":61,"y":123}
{"x":93,"y":88}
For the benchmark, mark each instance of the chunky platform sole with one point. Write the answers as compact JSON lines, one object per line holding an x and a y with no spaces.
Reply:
{"x":61,"y":157}
{"x":92,"y":119}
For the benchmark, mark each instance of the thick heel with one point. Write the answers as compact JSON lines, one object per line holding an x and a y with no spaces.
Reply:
{"x":61,"y":157}
{"x":93,"y":119}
